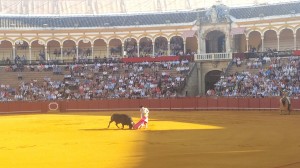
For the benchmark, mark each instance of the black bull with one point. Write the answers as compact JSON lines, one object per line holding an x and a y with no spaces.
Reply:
{"x":121,"y":118}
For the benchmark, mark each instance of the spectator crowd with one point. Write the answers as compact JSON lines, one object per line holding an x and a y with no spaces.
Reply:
{"x":102,"y":80}
{"x":276,"y":76}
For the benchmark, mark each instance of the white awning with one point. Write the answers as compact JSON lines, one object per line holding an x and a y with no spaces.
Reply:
{"x":238,"y":30}
{"x":188,"y":33}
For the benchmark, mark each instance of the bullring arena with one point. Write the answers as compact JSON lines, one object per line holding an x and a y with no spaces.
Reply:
{"x":212,"y":74}
{"x":197,"y":137}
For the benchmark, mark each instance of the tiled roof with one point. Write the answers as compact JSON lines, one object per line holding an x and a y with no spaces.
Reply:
{"x":97,"y":21}
{"x":181,"y":17}
{"x":265,"y":10}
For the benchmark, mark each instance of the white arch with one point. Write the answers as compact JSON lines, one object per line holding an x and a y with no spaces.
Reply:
{"x":174,"y":35}
{"x":112,"y":38}
{"x":130,"y":37}
{"x":214,"y":29}
{"x":155,"y":37}
{"x":105,"y":40}
{"x":47,"y":41}
{"x":269,"y":30}
{"x":84,"y":38}
{"x":33,"y":40}
{"x":248,"y":33}
{"x":27,"y":41}
{"x":64,"y":40}
{"x":280,"y":30}
{"x":297,"y":28}
{"x":6,"y":39}
{"x":146,"y":36}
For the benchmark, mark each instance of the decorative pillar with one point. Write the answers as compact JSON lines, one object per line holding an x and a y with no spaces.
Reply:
{"x":198,"y":44}
{"x":184,"y":47}
{"x":227,"y":45}
{"x":14,"y":53}
{"x":92,"y":46}
{"x":46,"y":55}
{"x":247,"y":43}
{"x":262,"y":44}
{"x":153,"y":48}
{"x":61,"y":53}
{"x":202,"y":45}
{"x":138,"y":50}
{"x":30,"y":57}
{"x":233,"y":46}
{"x":278,"y":42}
{"x":295,"y":41}
{"x":122,"y":50}
{"x":107,"y":50}
{"x":201,"y":84}
{"x":77,"y":55}
{"x":169,"y":48}
{"x":199,"y":38}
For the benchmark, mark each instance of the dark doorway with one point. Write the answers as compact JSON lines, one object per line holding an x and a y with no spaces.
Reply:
{"x":211,"y":78}
{"x":215,"y":42}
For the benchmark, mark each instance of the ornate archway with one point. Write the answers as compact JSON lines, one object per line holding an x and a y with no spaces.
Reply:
{"x":115,"y":48}
{"x":6,"y":53}
{"x":130,"y":47}
{"x":161,"y":46}
{"x":146,"y":48}
{"x":176,"y":45}
{"x":215,"y":42}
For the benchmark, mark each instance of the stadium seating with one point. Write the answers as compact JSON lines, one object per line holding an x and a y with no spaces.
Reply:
{"x":94,"y":81}
{"x":267,"y":80}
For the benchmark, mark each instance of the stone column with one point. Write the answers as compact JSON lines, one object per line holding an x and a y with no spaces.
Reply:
{"x":92,"y":46}
{"x":153,"y":48}
{"x":14,"y":53}
{"x":122,"y":50}
{"x":61,"y":53}
{"x":203,"y":45}
{"x":46,"y":55}
{"x":262,"y":44}
{"x":295,"y":41}
{"x":138,"y":50}
{"x":184,"y":47}
{"x":77,"y":55}
{"x":200,"y":87}
{"x":199,"y":39}
{"x":169,"y":48}
{"x":30,"y":57}
{"x":227,"y":45}
{"x":247,"y":43}
{"x":107,"y":50}
{"x":278,"y":47}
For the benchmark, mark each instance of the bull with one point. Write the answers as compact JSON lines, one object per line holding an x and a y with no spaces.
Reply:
{"x":121,"y":118}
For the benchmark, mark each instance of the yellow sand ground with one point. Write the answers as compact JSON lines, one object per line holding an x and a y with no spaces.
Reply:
{"x":174,"y":139}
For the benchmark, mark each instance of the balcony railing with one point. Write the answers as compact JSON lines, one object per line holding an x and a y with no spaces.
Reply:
{"x":213,"y":56}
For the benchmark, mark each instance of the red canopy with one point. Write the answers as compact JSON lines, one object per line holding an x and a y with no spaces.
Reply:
{"x":296,"y":53}
{"x":150,"y":59}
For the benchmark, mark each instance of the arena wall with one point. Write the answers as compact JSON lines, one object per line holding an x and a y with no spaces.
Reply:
{"x":187,"y":103}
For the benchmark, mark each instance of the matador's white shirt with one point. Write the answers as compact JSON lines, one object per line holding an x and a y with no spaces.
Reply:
{"x":144,"y":113}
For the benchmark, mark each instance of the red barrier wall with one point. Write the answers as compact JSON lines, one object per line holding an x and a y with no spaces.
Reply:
{"x":201,"y":103}
{"x":233,"y":103}
{"x":295,"y":104}
{"x":193,"y":103}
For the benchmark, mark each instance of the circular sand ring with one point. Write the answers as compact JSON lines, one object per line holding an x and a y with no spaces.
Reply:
{"x":55,"y":108}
